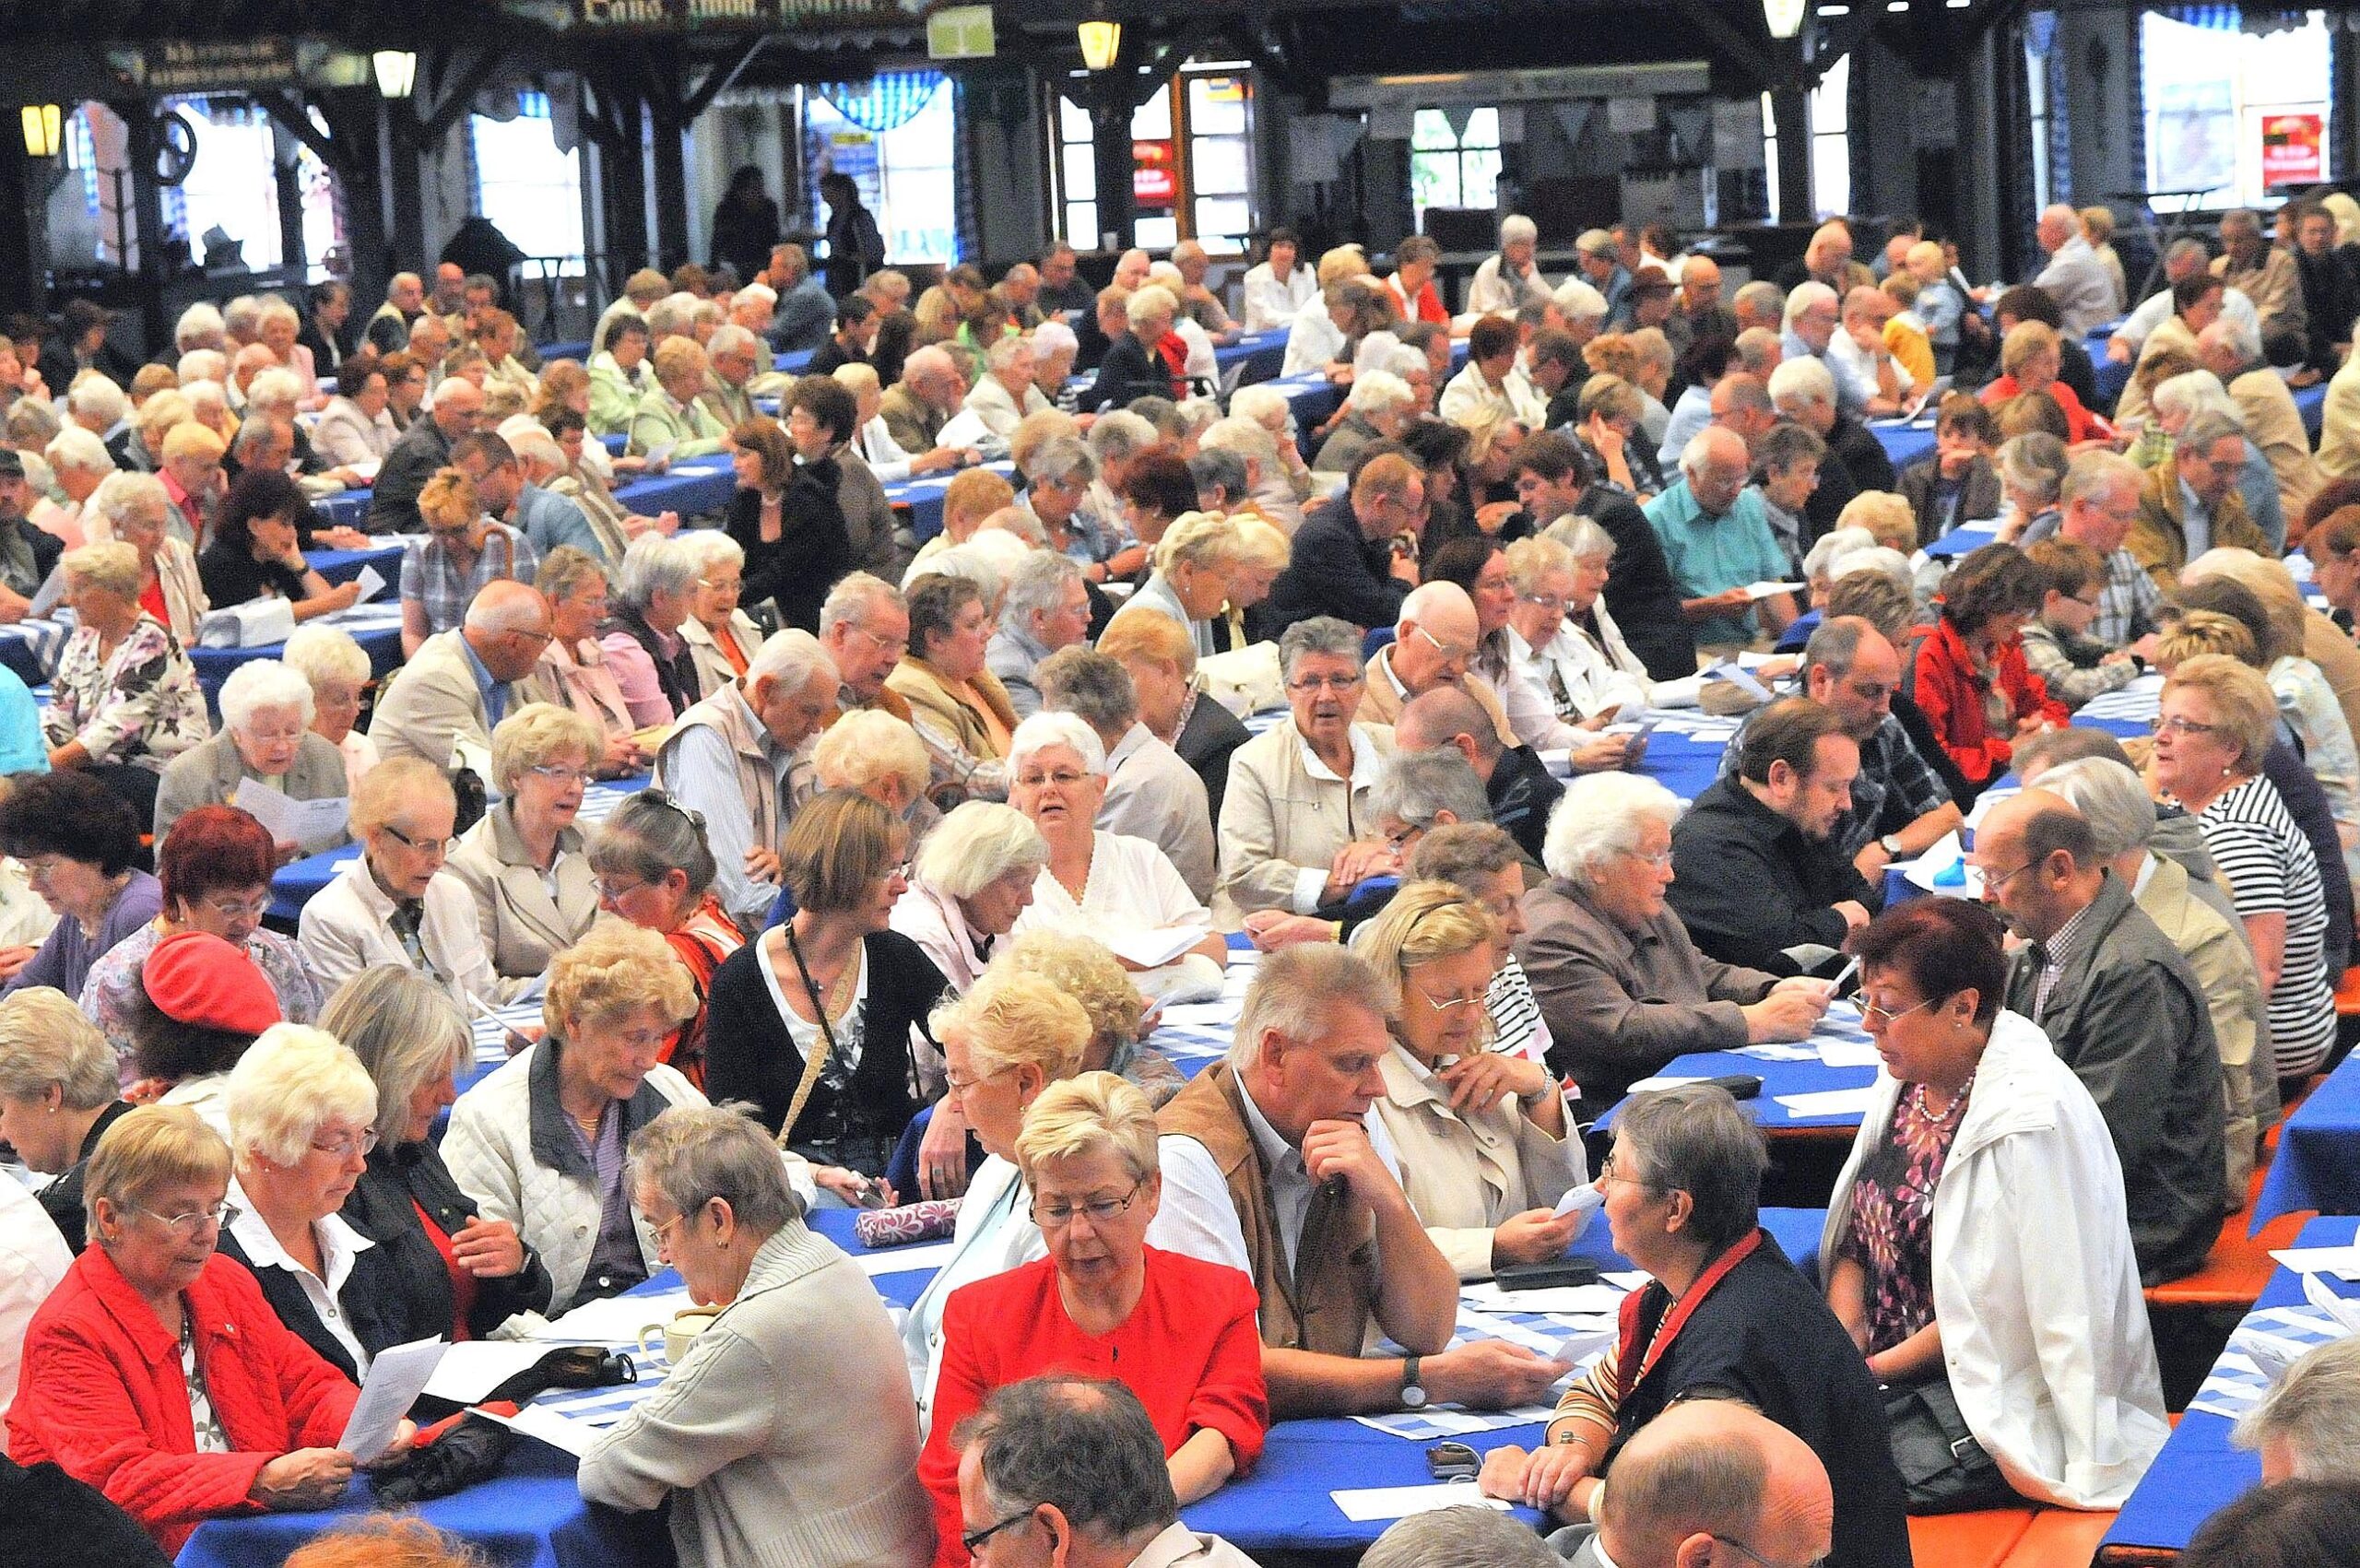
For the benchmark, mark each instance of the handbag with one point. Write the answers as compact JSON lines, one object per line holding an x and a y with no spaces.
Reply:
{"x":1943,"y":1469}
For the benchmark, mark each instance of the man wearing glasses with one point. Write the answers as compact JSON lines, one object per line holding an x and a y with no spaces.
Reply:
{"x":1433,"y":642}
{"x":2190,"y":505}
{"x":455,"y":692}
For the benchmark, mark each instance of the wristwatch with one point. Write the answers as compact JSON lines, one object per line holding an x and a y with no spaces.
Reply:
{"x":1891,"y":844}
{"x":1413,"y":1393}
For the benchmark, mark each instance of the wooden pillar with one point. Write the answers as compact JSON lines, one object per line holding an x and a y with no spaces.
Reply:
{"x":147,"y":213}
{"x":1790,"y":121}
{"x":290,"y":195}
{"x":667,"y":126}
{"x":1110,"y":126}
{"x":405,"y":176}
{"x":625,"y":172}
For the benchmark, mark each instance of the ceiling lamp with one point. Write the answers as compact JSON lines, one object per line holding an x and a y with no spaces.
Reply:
{"x":1784,"y":17}
{"x":1102,"y":40}
{"x":397,"y":70}
{"x":45,"y":123}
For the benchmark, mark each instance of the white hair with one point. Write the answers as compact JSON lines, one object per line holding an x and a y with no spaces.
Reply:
{"x":2195,"y":392}
{"x":80,"y":450}
{"x":1046,"y":729}
{"x":290,"y":1082}
{"x":712,"y":547}
{"x":1149,"y":303}
{"x":1265,"y":405}
{"x":1376,"y":352}
{"x":1003,"y":354}
{"x":1577,"y":300}
{"x":978,"y":844}
{"x":325,"y":653}
{"x":1803,"y":378}
{"x":1379,"y":392}
{"x":729,"y":339}
{"x":201,"y":325}
{"x":2238,"y":335}
{"x":1832,"y":544}
{"x":1517,"y":229}
{"x":793,"y":658}
{"x":1601,"y":815}
{"x":1875,"y":558}
{"x":525,"y":437}
{"x":655,"y":562}
{"x":259,"y":686}
{"x":275,"y":388}
{"x":760,"y":293}
{"x":1807,"y":295}
{"x":1054,"y":336}
{"x":853,"y":596}
{"x":200,"y":365}
{"x":1243,"y":436}
{"x":866,"y":745}
{"x":97,"y":399}
{"x":1037,"y":583}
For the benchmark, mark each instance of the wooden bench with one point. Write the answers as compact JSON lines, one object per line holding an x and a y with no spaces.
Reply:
{"x":2059,"y":1537}
{"x":2238,"y":1265}
{"x":1980,"y":1539}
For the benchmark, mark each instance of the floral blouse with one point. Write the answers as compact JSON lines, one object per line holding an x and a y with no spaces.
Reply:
{"x":109,"y":990}
{"x":1891,"y":1232}
{"x":140,"y":705}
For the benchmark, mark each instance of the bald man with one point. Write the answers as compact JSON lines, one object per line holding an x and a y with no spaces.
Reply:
{"x":1710,"y":1481}
{"x":443,"y":705}
{"x":1433,"y":646}
{"x":2074,"y":276}
{"x":1716,"y":540}
{"x":388,"y":329}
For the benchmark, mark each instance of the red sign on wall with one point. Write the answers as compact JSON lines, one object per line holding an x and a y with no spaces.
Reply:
{"x":1155,"y":175}
{"x":2290,"y":149}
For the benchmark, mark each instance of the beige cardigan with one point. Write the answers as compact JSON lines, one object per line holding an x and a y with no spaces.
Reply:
{"x":522,"y":927}
{"x":1464,"y":1172}
{"x":1278,"y":823}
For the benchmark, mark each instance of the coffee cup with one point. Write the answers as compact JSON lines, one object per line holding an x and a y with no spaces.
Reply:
{"x":676,"y":1336}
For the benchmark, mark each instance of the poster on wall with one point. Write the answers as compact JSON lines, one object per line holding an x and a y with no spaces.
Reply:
{"x":2191,"y":138}
{"x":1155,"y":174}
{"x":2290,"y":149}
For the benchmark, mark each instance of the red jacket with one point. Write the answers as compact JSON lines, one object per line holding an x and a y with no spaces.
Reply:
{"x":102,"y":1394}
{"x":1427,"y":306}
{"x":1951,"y":696}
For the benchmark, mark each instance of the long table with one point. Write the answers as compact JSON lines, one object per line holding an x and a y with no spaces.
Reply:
{"x":2318,"y":1165}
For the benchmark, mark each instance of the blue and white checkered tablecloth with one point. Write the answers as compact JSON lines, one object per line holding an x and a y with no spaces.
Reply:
{"x":46,"y":638}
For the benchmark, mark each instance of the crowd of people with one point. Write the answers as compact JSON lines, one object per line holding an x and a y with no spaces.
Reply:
{"x":936,"y":829}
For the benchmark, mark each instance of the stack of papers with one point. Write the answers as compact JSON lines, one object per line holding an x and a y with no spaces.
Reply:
{"x":2342,"y":1262}
{"x":1829,"y":1102}
{"x":1364,"y":1504}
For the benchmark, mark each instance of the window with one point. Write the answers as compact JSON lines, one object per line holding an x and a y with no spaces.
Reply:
{"x":1454,"y":168}
{"x":1192,"y":151}
{"x":2231,"y":114}
{"x":233,"y":185}
{"x":1831,"y":144}
{"x":2040,"y":32}
{"x":529,"y":190}
{"x":1221,"y":161}
{"x":904,"y":169}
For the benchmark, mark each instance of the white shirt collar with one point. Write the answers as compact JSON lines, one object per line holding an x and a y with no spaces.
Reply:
{"x":1276,"y":1150}
{"x":2146,"y":874}
{"x":1365,"y":761}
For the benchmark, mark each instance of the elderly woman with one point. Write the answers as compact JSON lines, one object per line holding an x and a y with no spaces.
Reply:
{"x":1482,"y":1135}
{"x":158,"y":1373}
{"x":723,"y":637}
{"x":747,"y":1438}
{"x":669,"y":420}
{"x":277,"y":327}
{"x":653,"y":665}
{"x":811,"y":1022}
{"x":124,"y":700}
{"x":539,"y":1142}
{"x":1970,"y":678}
{"x":1007,"y":1040}
{"x":1295,"y":831}
{"x":1126,"y":891}
{"x":1982,"y":1207}
{"x":656,"y":871}
{"x":79,"y":462}
{"x":1622,"y":985}
{"x":786,"y":523}
{"x":1483,"y":862}
{"x":1611,"y":432}
{"x":2214,"y":731}
{"x":257,"y":553}
{"x":573,"y":672}
{"x":973,"y":878}
{"x":2032,"y":479}
{"x":621,"y":377}
{"x":446,"y":1270}
{"x":955,"y":701}
{"x":871,"y":752}
{"x":2029,"y":361}
{"x":1564,"y":649}
{"x":524,"y":862}
{"x":77,"y":840}
{"x":1194,"y":562}
{"x":1725,"y":1314}
{"x":356,"y":429}
{"x":1178,"y":1331}
{"x":1147,"y":359}
{"x":57,"y":1097}
{"x":213,"y":872}
{"x":463,"y":548}
{"x":394,"y":904}
{"x":1087,"y":970}
{"x":266,"y":711}
{"x":338,"y":671}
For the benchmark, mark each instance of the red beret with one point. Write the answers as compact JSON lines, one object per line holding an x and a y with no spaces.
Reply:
{"x":201,"y":980}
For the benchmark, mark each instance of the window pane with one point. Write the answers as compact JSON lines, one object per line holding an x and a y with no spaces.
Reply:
{"x":1429,"y":132}
{"x":1482,"y":129}
{"x":527,"y":187}
{"x":1073,"y":125}
{"x":1218,"y":166}
{"x":1434,"y":182}
{"x":1478,"y":179}
{"x":1081,"y":225}
{"x":1081,"y":162}
{"x":1831,"y":101}
{"x":1831,"y":174}
{"x":1221,"y":223}
{"x":2211,"y":98}
{"x":1770,"y":156}
{"x":1160,"y":233}
{"x":1152,"y":120}
{"x":1217,"y":106}
{"x":231,"y":185}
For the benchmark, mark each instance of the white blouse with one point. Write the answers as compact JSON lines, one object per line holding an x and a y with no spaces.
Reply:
{"x":1133,"y":888}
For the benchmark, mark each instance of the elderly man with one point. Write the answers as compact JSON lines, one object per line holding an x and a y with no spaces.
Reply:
{"x":1857,"y":352}
{"x":2232,"y":352}
{"x":1814,"y":314}
{"x":865,"y":630}
{"x":1349,"y":558}
{"x":729,"y":757}
{"x":388,"y":328}
{"x":2190,"y":503}
{"x":2101,"y":504}
{"x":1709,"y":1474}
{"x":444,"y":703}
{"x":1700,"y":312}
{"x":806,"y":311}
{"x":1717,"y":544}
{"x":1045,"y":607}
{"x":1005,"y":395}
{"x":1197,"y":302}
{"x":1900,"y":806}
{"x":1599,"y":260}
{"x":917,"y":406}
{"x":2197,"y":301}
{"x":2123,"y":1010}
{"x":1267,"y":1167}
{"x":1759,"y":303}
{"x":731,"y":355}
{"x":1293,"y":817}
{"x":1555,"y":480}
{"x":1433,"y":642}
{"x":1062,"y":291}
{"x":2267,"y":276}
{"x":1760,"y":880}
{"x":1518,"y":789}
{"x":423,"y":449}
{"x":1511,"y":279}
{"x":549,"y":518}
{"x":2074,"y":276}
{"x":2308,"y":1426}
{"x":2183,"y":259}
{"x":1827,"y":261}
{"x":1151,"y":792}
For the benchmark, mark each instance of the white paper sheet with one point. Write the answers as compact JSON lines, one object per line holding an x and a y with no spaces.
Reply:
{"x":1361,"y":1504}
{"x":574,"y":1437}
{"x":1768,"y":590}
{"x":1153,"y":950}
{"x":1587,"y":1301}
{"x":2344,"y":1309}
{"x":1584,"y":1200}
{"x":1740,"y":679}
{"x":396,"y":1378}
{"x":2342,"y":1262}
{"x":1829,"y":1101}
{"x":372,"y":584}
{"x":617,"y":1320}
{"x":473,"y":1369}
{"x":292,"y":821}
{"x":1849,"y":1054}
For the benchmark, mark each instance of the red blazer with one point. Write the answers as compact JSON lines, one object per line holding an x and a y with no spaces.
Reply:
{"x":1951,"y":696}
{"x":1191,"y":1350}
{"x":2083,"y":424}
{"x":102,"y":1394}
{"x":1427,"y":306}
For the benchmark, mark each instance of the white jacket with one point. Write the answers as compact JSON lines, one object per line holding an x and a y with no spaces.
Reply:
{"x":992,"y":1234}
{"x":996,"y":406}
{"x":1270,"y":303}
{"x":346,"y":929}
{"x":2044,"y":1331}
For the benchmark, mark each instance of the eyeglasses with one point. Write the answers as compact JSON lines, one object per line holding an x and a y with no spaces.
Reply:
{"x":1753,"y":1556}
{"x":1450,"y":652}
{"x":2174,"y":724}
{"x":974,"y":1540}
{"x":1870,"y":1009}
{"x":1607,"y":1172}
{"x":615,"y":892}
{"x":961,"y":1085}
{"x":661,"y":1232}
{"x":183,"y":1226}
{"x":1452,"y":1004}
{"x":1659,"y":862}
{"x":1101,"y":1210}
{"x":1994,"y":881}
{"x":231,"y":908}
{"x":1326,"y":682}
{"x":347,"y":1147}
{"x":423,"y":846}
{"x":1064,"y":778}
{"x":1544,"y":601}
{"x":561,"y":776}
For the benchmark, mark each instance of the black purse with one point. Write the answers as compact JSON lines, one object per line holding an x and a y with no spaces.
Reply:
{"x":1943,"y":1469}
{"x":470,"y":1447}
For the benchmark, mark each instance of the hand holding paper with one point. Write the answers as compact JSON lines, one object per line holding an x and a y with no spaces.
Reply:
{"x":396,"y":1378}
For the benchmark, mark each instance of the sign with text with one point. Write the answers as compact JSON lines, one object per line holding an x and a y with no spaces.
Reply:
{"x":2290,"y":149}
{"x":1155,"y":176}
{"x":212,"y":64}
{"x":679,"y":15}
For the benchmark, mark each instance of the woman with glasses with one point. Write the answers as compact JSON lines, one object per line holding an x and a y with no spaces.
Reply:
{"x":1724,"y":1315}
{"x":158,"y":1373}
{"x":655,"y":870}
{"x":1484,"y":1144}
{"x":572,"y":671}
{"x":1564,"y":675}
{"x":394,"y":904}
{"x":1980,"y":1214}
{"x":723,"y":636}
{"x":58,"y":1096}
{"x":339,"y":672}
{"x":126,"y":701}
{"x":265,"y":736}
{"x":1178,"y":1332}
{"x":213,"y":871}
{"x":786,"y":1434}
{"x":1124,"y":891}
{"x":525,"y":862}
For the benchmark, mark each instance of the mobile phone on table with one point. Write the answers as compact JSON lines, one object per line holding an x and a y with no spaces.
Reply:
{"x":1544,"y":1276}
{"x":1453,"y":1462}
{"x":1741,"y":1086}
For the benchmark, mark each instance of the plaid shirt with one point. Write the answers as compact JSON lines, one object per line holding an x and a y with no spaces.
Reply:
{"x":1894,"y":781}
{"x":2054,"y":954}
{"x":431,"y":576}
{"x":2127,"y":604}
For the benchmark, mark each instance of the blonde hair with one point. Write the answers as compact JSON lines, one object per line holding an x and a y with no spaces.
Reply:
{"x":449,"y":498}
{"x":1262,"y":545}
{"x":1036,"y":430}
{"x":2267,"y":580}
{"x":147,"y":1149}
{"x":1530,"y":560}
{"x":2246,"y":709}
{"x":385,"y":788}
{"x":45,"y":1039}
{"x":112,"y":567}
{"x":2023,"y":340}
{"x":1201,"y":540}
{"x":1428,"y":923}
{"x":1083,"y":968}
{"x":867,"y":746}
{"x":616,"y":969}
{"x":1150,"y":634}
{"x":194,"y":439}
{"x":536,"y":733}
{"x":2194,"y":633}
{"x":1009,"y":1020}
{"x":1094,"y":1112}
{"x":1885,"y":516}
{"x":676,"y":357}
{"x":290,"y":1082}
{"x":1339,"y":263}
{"x":971,"y":497}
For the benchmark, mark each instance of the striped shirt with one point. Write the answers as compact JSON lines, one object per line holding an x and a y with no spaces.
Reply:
{"x":1516,"y":1026}
{"x":2271,"y":870}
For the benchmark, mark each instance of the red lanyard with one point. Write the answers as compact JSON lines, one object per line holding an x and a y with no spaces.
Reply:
{"x":1628,"y":1351}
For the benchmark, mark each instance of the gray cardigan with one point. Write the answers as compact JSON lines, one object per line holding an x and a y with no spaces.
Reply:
{"x":750,"y":1429}
{"x":208,"y":773}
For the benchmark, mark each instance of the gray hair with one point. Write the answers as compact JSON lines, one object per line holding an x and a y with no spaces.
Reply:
{"x":1046,"y":729}
{"x":793,"y":658}
{"x":1601,"y":815}
{"x":96,"y":398}
{"x":126,"y":494}
{"x":201,"y":323}
{"x":1084,"y":1446}
{"x":1119,"y":435}
{"x":1577,"y":300}
{"x":1881,"y":559}
{"x":1379,"y":392}
{"x":1294,"y":990}
{"x":1061,"y":458}
{"x":2110,"y":798}
{"x":648,"y":835}
{"x":1807,"y":296}
{"x":1247,"y":438}
{"x":692,"y":1154}
{"x":2206,"y":428}
{"x":258,"y":434}
{"x":1803,"y":378}
{"x":2195,"y":393}
{"x":853,"y":596}
{"x":1003,"y":354}
{"x":1317,"y":634}
{"x":2038,"y":463}
{"x":1835,"y":542}
{"x":1760,"y":299}
{"x":712,"y":547}
{"x":1092,"y":686}
{"x":325,"y":653}
{"x":1038,"y":583}
{"x":263,"y":683}
{"x":655,"y":563}
{"x":1515,"y":228}
{"x":46,"y":1039}
{"x":729,"y":339}
{"x":275,"y":388}
{"x":2315,"y":1411}
{"x":1836,"y":643}
{"x":1693,"y":1138}
{"x":2237,"y":335}
{"x":78,"y":449}
{"x":406,"y":1031}
{"x":290,"y":1082}
{"x":1417,"y":788}
{"x":2186,"y":249}
{"x":1213,"y":467}
{"x":1583,"y":538}
{"x":977,"y":843}
{"x":1463,"y":1536}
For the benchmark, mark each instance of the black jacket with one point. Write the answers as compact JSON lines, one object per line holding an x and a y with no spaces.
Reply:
{"x":45,"y":545}
{"x":1855,"y":446}
{"x":42,"y":1508}
{"x":371,"y":1301}
{"x":677,"y":675}
{"x":1749,"y":885}
{"x":1522,"y":792}
{"x":1204,"y":743}
{"x":1335,"y":570}
{"x":813,"y":547}
{"x":401,"y":1181}
{"x":1640,"y":592}
{"x":1129,"y":369}
{"x":393,"y":500}
{"x":62,"y":1200}
{"x":1978,"y":496}
{"x":830,"y":356}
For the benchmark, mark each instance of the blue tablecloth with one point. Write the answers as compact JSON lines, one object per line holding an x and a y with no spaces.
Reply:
{"x":2110,"y":377}
{"x":343,"y":566}
{"x":1777,"y":1078}
{"x":1681,"y":763}
{"x":924,"y":496}
{"x":2318,"y":1152}
{"x":1312,"y":397}
{"x":1263,"y":354}
{"x":579,"y":351}
{"x":2199,"y":1472}
{"x":1965,"y":539}
{"x":690,"y":487}
{"x":1905,"y":443}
